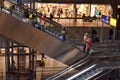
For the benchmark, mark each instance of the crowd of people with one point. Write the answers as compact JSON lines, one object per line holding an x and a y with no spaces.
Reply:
{"x":91,"y":37}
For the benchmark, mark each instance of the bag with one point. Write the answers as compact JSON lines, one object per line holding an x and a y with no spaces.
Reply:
{"x":63,"y":32}
{"x":42,"y":63}
{"x":30,"y":16}
{"x":62,"y":37}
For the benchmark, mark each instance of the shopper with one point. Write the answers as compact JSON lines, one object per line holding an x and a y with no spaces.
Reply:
{"x":26,"y":16}
{"x":42,"y":61}
{"x":34,"y":20}
{"x":43,"y":21}
{"x":11,"y":9}
{"x":110,"y":35}
{"x":51,"y":16}
{"x":1,"y":4}
{"x":63,"y":33}
{"x":84,"y":41}
{"x":88,"y":44}
{"x":94,"y":35}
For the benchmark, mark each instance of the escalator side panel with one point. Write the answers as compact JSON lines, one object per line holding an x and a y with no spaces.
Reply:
{"x":38,"y":40}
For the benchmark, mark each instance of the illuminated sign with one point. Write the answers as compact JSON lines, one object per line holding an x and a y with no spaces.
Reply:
{"x":105,"y":19}
{"x":113,"y":22}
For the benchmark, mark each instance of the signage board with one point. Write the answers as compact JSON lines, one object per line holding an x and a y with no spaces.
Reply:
{"x":105,"y":19}
{"x":113,"y":22}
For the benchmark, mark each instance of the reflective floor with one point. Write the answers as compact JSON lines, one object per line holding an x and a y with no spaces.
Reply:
{"x":51,"y":66}
{"x":80,"y":23}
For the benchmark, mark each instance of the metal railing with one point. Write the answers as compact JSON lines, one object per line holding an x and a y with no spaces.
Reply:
{"x":44,"y":72}
{"x":69,"y":70}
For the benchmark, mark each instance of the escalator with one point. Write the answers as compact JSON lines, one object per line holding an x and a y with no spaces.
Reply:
{"x":41,"y":41}
{"x":96,"y":69}
{"x":110,"y":74}
{"x":75,"y":68}
{"x":94,"y":65}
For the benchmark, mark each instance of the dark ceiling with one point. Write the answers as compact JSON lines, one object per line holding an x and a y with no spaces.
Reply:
{"x":78,"y":1}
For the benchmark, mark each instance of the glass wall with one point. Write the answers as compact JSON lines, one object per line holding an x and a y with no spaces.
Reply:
{"x":67,"y":9}
{"x":7,"y":4}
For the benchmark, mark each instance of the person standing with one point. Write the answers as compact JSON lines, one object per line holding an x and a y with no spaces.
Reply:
{"x":51,"y":16}
{"x":110,"y":35}
{"x":93,"y":34}
{"x":63,"y":33}
{"x":84,"y":41}
{"x":26,"y":16}
{"x":43,"y":22}
{"x":11,"y":9}
{"x":88,"y":44}
{"x":43,"y":58}
{"x":2,"y":4}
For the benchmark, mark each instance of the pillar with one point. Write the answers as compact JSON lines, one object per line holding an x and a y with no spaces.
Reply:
{"x":32,"y":5}
{"x":20,"y":62}
{"x":115,"y":15}
{"x":75,"y":12}
{"x":114,"y":8}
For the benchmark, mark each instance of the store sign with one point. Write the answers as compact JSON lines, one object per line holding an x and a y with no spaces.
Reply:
{"x":105,"y":19}
{"x":113,"y":22}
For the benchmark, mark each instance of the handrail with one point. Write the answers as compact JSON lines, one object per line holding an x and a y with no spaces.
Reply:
{"x":81,"y":72}
{"x":102,"y":66}
{"x":70,"y":68}
{"x":60,"y":74}
{"x":104,"y":74}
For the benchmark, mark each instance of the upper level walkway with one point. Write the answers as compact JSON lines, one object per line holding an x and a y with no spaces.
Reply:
{"x":80,"y":23}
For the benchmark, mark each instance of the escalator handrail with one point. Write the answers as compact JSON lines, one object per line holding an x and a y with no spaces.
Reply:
{"x":104,"y":74}
{"x":68,"y":69}
{"x":99,"y":65}
{"x":81,"y":72}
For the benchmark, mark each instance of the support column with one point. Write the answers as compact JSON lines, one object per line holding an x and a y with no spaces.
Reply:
{"x":116,"y":16}
{"x":75,"y":12}
{"x":32,"y":5}
{"x":20,"y":63}
{"x":114,"y":8}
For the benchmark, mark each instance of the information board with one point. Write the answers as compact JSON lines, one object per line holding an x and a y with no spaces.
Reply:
{"x":105,"y":19}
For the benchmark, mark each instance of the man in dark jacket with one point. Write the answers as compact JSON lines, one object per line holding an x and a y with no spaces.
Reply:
{"x":94,"y":35}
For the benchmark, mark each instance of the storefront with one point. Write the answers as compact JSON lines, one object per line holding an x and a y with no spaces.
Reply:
{"x":7,"y":4}
{"x":68,"y":9}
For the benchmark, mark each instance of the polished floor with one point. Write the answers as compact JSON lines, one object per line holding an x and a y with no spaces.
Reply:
{"x":81,"y":23}
{"x":51,"y":66}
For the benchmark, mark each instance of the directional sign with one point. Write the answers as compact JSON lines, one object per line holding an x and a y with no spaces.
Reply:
{"x":105,"y":19}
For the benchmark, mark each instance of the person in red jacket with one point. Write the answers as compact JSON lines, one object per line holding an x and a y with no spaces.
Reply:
{"x":88,"y":44}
